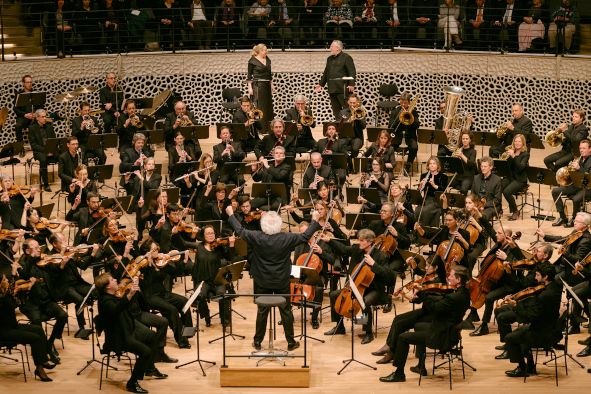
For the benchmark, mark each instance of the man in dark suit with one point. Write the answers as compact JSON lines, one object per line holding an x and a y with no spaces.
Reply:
{"x":25,"y":115}
{"x":507,"y":18}
{"x":339,"y":65}
{"x":278,"y":171}
{"x":111,"y":99}
{"x":84,"y":125}
{"x":408,"y":131}
{"x":128,"y":124}
{"x":39,"y":131}
{"x":423,"y":19}
{"x":541,"y":311}
{"x":228,"y":151}
{"x":488,"y":186}
{"x":359,"y":123}
{"x":68,"y":162}
{"x":394,"y":20}
{"x":177,"y":119}
{"x":572,"y":135}
{"x":304,"y":139}
{"x":83,"y":217}
{"x":123,"y":333}
{"x":270,"y":266}
{"x":269,"y":142}
{"x":253,"y":126}
{"x":520,"y":124}
{"x":132,"y":157}
{"x":316,"y":172}
{"x":331,"y":144}
{"x":441,"y":333}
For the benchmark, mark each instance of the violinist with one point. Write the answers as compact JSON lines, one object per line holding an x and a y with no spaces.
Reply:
{"x":378,"y":179}
{"x":435,"y":326}
{"x":348,"y":115}
{"x":124,"y":333}
{"x":279,"y":171}
{"x":518,"y":160}
{"x":429,"y":214}
{"x":134,"y":157}
{"x":214,"y":208}
{"x":304,"y":142}
{"x":155,"y":211}
{"x":83,"y":126}
{"x":505,"y":314}
{"x":249,"y":219}
{"x":86,"y":218}
{"x":541,"y":311}
{"x":81,"y":185}
{"x":506,"y":250}
{"x":178,"y":153}
{"x":382,"y":149}
{"x":34,"y":225}
{"x":13,"y":200}
{"x":209,"y":258}
{"x":12,"y":331}
{"x":10,"y":248}
{"x":252,"y":125}
{"x":466,"y":153}
{"x":488,"y":186}
{"x":128,"y":125}
{"x":228,"y":151}
{"x":72,"y":288}
{"x":376,"y":293}
{"x":68,"y":161}
{"x":331,"y":144}
{"x":118,"y":249}
{"x":277,"y":138}
{"x":40,"y":304}
{"x":408,"y":131}
{"x":322,"y":194}
{"x":316,"y":172}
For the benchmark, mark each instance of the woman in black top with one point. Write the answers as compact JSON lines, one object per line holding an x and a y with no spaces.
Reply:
{"x":467,"y":154}
{"x":211,"y":255}
{"x":382,"y":149}
{"x":518,"y":160}
{"x":432,"y":181}
{"x":260,"y":84}
{"x":378,"y":179}
{"x":81,"y":186}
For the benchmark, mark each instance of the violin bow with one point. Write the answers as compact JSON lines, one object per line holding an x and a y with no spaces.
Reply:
{"x":546,"y":217}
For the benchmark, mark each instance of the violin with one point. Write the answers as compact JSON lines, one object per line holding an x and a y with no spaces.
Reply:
{"x":124,"y":285}
{"x":437,"y":288}
{"x":44,"y":223}
{"x":184,"y":227}
{"x":23,"y":285}
{"x":583,"y":263}
{"x":47,"y":259}
{"x":170,"y":257}
{"x":220,"y":242}
{"x":15,"y":190}
{"x":133,"y":268}
{"x":252,"y":216}
{"x":523,"y":294}
{"x":120,"y":236}
{"x":572,"y":238}
{"x":11,"y":234}
{"x":103,"y":212}
{"x":415,"y":285}
{"x":520,"y":264}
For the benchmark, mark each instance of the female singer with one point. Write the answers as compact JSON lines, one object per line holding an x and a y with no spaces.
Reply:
{"x":518,"y":160}
{"x":382,"y":149}
{"x":432,"y":181}
{"x":467,"y":154}
{"x":80,"y":186}
{"x":179,"y":153}
{"x":210,"y":257}
{"x":377,"y":178}
{"x":260,"y":82}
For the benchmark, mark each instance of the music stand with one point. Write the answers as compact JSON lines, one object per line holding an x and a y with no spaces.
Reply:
{"x":196,"y":132}
{"x":305,"y":276}
{"x":373,"y":132}
{"x":124,"y":202}
{"x":265,"y":190}
{"x":11,"y":150}
{"x":290,"y":128}
{"x":233,"y":169}
{"x":414,"y":196}
{"x":237,"y":130}
{"x":535,"y":142}
{"x":372,"y":195}
{"x":570,"y":296}
{"x":188,"y":332}
{"x":431,"y":137}
{"x":501,"y":168}
{"x":345,"y":130}
{"x":307,"y":194}
{"x":581,"y":181}
{"x":541,"y":176}
{"x":85,"y":302}
{"x":485,"y":138}
{"x":226,"y":276}
{"x":100,"y":174}
{"x":355,"y":296}
{"x":455,"y":200}
{"x":56,"y":146}
{"x":46,"y":210}
{"x":102,"y":141}
{"x":336,"y":161}
{"x":361,"y":164}
{"x":182,"y":169}
{"x":154,"y":136}
{"x":451,"y":164}
{"x":32,"y":99}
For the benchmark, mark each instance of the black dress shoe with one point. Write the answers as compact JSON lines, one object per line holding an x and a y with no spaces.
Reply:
{"x":516,"y":373}
{"x":48,"y":365}
{"x":387,"y":308}
{"x":293,"y":346}
{"x":393,"y":377}
{"x":383,"y":350}
{"x":135,"y":387}
{"x":336,"y":330}
{"x":47,"y":188}
{"x":586,"y":352}
{"x":585,"y":342}
{"x":315,"y":324}
{"x":43,"y":377}
{"x":419,"y":370}
{"x":502,"y":356}
{"x":155,"y":373}
{"x":367,"y":338}
{"x":571,"y":223}
{"x":388,"y":357}
{"x":482,"y":330}
{"x":256,"y":345}
{"x":165,"y":358}
{"x":185,"y":345}
{"x":574,"y":329}
{"x":559,"y":222}
{"x":500,"y":347}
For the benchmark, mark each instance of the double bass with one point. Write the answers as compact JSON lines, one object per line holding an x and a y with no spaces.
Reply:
{"x":491,"y":272}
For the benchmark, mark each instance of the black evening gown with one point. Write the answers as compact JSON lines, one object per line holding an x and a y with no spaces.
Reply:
{"x":261,"y":76}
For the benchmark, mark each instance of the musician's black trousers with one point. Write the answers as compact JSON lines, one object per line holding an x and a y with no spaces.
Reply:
{"x":491,"y":297}
{"x":143,"y":343}
{"x":28,"y":334}
{"x":370,"y":298}
{"x":417,"y":337}
{"x":558,"y":159}
{"x":572,"y":192}
{"x":42,"y":313}
{"x":170,"y":305}
{"x":583,"y":291}
{"x":75,"y":294}
{"x":403,"y":323}
{"x":263,"y":315}
{"x":505,"y":316}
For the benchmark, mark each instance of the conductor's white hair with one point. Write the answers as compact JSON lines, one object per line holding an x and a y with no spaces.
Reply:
{"x":586,"y":217}
{"x":271,"y":223}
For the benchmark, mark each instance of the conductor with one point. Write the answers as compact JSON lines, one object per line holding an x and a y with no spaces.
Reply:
{"x":270,"y":266}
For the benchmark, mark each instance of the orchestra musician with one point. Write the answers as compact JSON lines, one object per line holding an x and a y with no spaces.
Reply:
{"x":270,"y":267}
{"x":180,"y":152}
{"x":69,"y":161}
{"x":133,"y":158}
{"x":124,"y":333}
{"x":85,"y":217}
{"x":226,"y":151}
{"x":278,"y":171}
{"x":506,"y":250}
{"x":214,"y":208}
{"x":331,"y":143}
{"x":260,"y":81}
{"x":518,"y":160}
{"x":173,"y":123}
{"x":520,"y":124}
{"x":487,"y":186}
{"x":382,"y":149}
{"x":245,"y":116}
{"x":429,"y":214}
{"x":304,"y":141}
{"x":354,"y":113}
{"x":378,"y":178}
{"x":111,"y":100}
{"x":151,"y":180}
{"x":316,"y":172}
{"x":81,"y":185}
{"x":572,"y":135}
{"x":40,"y":130}
{"x":13,"y":201}
{"x":569,"y":190}
{"x":9,"y":249}
{"x":541,"y":311}
{"x":128,"y":125}
{"x":467,"y":153}
{"x":408,"y":131}
{"x":434,"y":325}
{"x":34,"y":225}
{"x":25,"y":115}
{"x":118,"y":248}
{"x":155,"y":210}
{"x":277,"y":138}
{"x":376,"y":293}
{"x":443,"y":150}
{"x":84,"y":125}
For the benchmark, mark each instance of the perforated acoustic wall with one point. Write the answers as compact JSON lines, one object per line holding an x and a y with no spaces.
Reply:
{"x":549,"y":87}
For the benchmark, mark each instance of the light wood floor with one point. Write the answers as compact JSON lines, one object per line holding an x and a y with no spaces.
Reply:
{"x":326,"y":359}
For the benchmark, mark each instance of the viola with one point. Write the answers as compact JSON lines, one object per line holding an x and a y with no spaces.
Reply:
{"x":47,"y":259}
{"x":572,"y":238}
{"x":140,"y":262}
{"x":403,"y":291}
{"x":521,"y":264}
{"x":437,"y":288}
{"x":252,"y":216}
{"x":523,"y":294}
{"x":124,"y":285}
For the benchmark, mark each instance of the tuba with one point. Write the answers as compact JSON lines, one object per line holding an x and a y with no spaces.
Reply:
{"x":406,"y":117}
{"x":554,"y":137}
{"x":451,"y":120}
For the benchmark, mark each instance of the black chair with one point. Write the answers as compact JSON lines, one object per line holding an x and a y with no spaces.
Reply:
{"x":107,"y":352}
{"x":387,"y":90}
{"x":230,"y":96}
{"x":9,"y":347}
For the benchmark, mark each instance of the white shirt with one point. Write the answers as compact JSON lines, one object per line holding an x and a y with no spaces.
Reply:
{"x":198,"y":14}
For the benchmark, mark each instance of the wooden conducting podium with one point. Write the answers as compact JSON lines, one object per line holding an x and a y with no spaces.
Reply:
{"x":265,"y":376}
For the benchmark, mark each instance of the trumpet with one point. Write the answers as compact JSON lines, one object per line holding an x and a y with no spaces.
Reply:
{"x":135,"y":121}
{"x":89,"y":125}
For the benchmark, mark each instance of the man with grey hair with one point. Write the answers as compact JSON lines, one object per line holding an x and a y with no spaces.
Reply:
{"x":520,"y":124}
{"x":301,"y":111}
{"x":339,"y":75}
{"x":277,"y":171}
{"x":270,"y":266}
{"x":39,"y":131}
{"x":277,"y":138}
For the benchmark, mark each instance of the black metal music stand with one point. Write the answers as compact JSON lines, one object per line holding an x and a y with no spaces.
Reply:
{"x":373,"y":132}
{"x":188,"y":332}
{"x":361,"y":164}
{"x":336,"y":161}
{"x":570,"y":296}
{"x":195,"y":132}
{"x":307,"y":194}
{"x":501,"y":168}
{"x":11,"y":150}
{"x":451,"y":164}
{"x":535,"y":142}
{"x":124,"y":202}
{"x":414,"y":196}
{"x":581,"y":181}
{"x":237,"y":130}
{"x":345,"y":130}
{"x":102,"y":141}
{"x":291,"y":128}
{"x":45,"y":210}
{"x":89,"y":303}
{"x":485,"y":138}
{"x":541,"y":176}
{"x":31,"y":99}
{"x":353,"y":193}
{"x":153,"y":136}
{"x":100,"y":174}
{"x":455,"y":200}
{"x":363,"y":220}
{"x":305,"y":276}
{"x":234,"y":170}
{"x":226,"y":276}
{"x":354,"y":296}
{"x":181,"y":170}
{"x":432,"y":137}
{"x":266,"y":190}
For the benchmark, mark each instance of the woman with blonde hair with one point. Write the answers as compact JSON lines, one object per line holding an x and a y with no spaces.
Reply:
{"x":260,"y":82}
{"x":518,"y":160}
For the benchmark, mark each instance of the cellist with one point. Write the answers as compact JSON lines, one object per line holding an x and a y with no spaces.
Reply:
{"x":505,"y":249}
{"x":376,"y":293}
